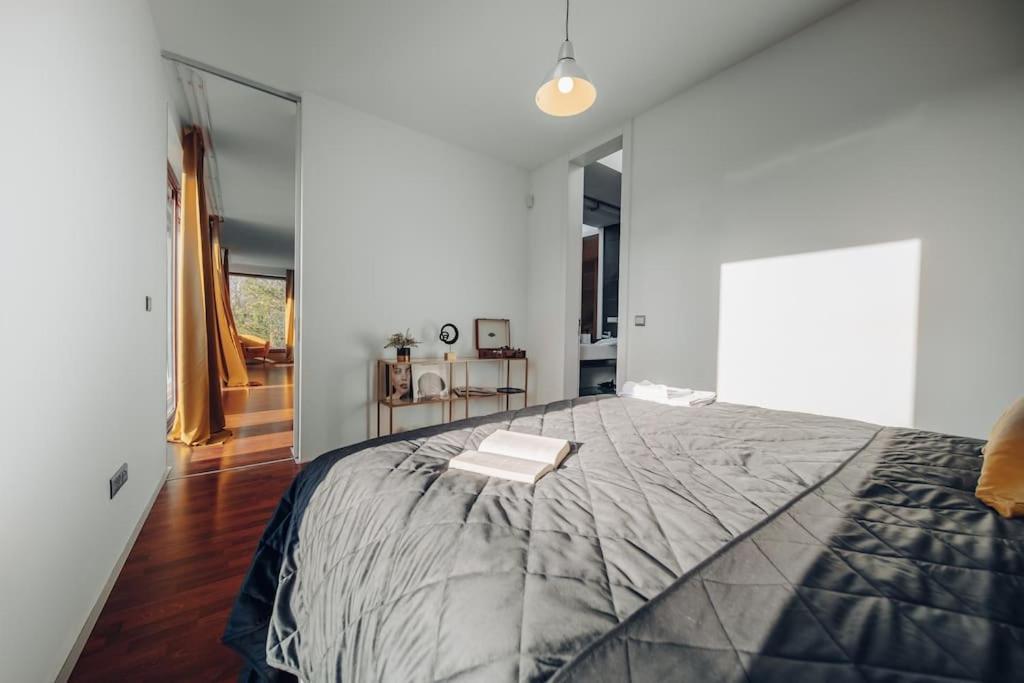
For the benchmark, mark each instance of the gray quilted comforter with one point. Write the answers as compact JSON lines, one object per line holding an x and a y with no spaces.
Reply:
{"x":718,"y":543}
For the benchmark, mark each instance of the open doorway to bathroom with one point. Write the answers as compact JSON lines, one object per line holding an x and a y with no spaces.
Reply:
{"x":599,"y":270}
{"x":232,"y":285}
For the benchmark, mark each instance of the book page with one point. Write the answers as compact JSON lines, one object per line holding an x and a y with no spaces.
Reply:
{"x":527,"y":446}
{"x":502,"y":466}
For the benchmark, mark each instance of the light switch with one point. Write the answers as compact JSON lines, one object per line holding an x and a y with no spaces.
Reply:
{"x":640,"y":320}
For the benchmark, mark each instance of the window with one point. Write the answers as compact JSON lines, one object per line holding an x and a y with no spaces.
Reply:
{"x":258,"y":306}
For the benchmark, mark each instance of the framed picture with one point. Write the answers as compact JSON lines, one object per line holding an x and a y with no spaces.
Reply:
{"x":492,"y":333}
{"x":398,"y":382}
{"x":429,"y":381}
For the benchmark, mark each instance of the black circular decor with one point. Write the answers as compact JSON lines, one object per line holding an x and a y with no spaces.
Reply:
{"x":449,"y":334}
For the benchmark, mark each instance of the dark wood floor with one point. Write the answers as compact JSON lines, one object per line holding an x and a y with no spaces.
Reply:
{"x":166,"y":613}
{"x":260,"y":420}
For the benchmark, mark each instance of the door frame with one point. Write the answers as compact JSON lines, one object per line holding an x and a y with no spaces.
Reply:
{"x":297,"y":294}
{"x":619,"y":138}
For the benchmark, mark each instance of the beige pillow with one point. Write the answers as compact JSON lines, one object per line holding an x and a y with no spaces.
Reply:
{"x":1001,"y":484}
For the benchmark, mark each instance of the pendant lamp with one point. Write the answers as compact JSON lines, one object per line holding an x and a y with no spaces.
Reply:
{"x":566,"y":91}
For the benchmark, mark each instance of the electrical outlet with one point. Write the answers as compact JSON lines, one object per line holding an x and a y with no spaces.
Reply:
{"x":640,"y":321}
{"x":118,"y":480}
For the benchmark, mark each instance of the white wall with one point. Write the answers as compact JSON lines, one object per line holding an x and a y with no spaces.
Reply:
{"x":399,"y":230}
{"x":886,"y":121}
{"x":547,"y":245}
{"x":82,"y":188}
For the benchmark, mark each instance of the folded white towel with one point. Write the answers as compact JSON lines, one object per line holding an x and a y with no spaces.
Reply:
{"x":676,"y":392}
{"x":646,"y":391}
{"x":673,"y":396}
{"x":694,"y":399}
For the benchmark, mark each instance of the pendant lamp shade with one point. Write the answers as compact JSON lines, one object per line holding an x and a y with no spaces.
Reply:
{"x":566,"y":91}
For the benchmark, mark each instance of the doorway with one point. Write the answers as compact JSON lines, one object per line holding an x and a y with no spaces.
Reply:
{"x":244,"y":302}
{"x":599,"y":274}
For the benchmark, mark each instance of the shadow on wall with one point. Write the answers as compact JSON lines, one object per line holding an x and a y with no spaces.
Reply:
{"x":831,"y":332}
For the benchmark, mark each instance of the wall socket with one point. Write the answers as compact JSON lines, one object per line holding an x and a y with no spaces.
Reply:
{"x":118,"y":480}
{"x":640,"y":320}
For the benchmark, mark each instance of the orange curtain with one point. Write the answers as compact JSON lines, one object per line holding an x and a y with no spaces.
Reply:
{"x":231,"y":357}
{"x":289,"y":314}
{"x":199,"y":416}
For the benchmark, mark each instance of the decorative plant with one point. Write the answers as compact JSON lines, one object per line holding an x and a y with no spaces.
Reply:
{"x":401,"y":341}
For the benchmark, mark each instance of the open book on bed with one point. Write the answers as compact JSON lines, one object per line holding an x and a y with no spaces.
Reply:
{"x":512,"y":455}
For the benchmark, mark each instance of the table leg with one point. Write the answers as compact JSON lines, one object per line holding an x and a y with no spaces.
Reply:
{"x":526,"y":381}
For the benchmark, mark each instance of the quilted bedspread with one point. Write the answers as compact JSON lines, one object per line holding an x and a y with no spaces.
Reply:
{"x":718,"y":543}
{"x":889,"y":571}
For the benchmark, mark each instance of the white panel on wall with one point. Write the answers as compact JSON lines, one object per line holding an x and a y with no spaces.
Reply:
{"x":831,"y":332}
{"x":546,"y":243}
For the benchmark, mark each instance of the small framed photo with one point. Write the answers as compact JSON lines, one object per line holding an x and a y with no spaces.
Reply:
{"x":492,"y":333}
{"x":398,"y":382}
{"x":429,"y":381}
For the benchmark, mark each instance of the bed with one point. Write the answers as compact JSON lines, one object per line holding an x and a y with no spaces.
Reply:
{"x":718,"y":543}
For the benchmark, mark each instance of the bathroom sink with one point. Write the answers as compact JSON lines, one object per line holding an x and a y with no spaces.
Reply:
{"x":606,"y":349}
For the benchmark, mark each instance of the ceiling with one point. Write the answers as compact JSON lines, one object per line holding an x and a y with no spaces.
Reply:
{"x":466,"y":71}
{"x":254,"y":141}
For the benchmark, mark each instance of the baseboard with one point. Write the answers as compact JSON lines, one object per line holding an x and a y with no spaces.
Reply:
{"x":97,"y":609}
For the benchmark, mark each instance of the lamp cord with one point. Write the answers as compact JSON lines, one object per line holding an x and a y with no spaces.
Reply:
{"x":567,"y":19}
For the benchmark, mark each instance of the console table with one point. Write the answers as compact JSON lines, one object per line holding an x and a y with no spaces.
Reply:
{"x":503,"y":394}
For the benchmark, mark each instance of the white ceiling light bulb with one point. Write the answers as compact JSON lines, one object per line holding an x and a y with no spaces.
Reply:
{"x":566,"y":91}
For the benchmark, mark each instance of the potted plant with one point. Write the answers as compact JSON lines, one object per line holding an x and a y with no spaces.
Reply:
{"x":402,"y":343}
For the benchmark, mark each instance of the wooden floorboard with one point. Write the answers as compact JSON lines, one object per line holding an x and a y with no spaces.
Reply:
{"x":260,"y":419}
{"x":165,"y":615}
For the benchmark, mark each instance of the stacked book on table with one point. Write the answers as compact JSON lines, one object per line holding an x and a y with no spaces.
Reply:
{"x":514,"y":456}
